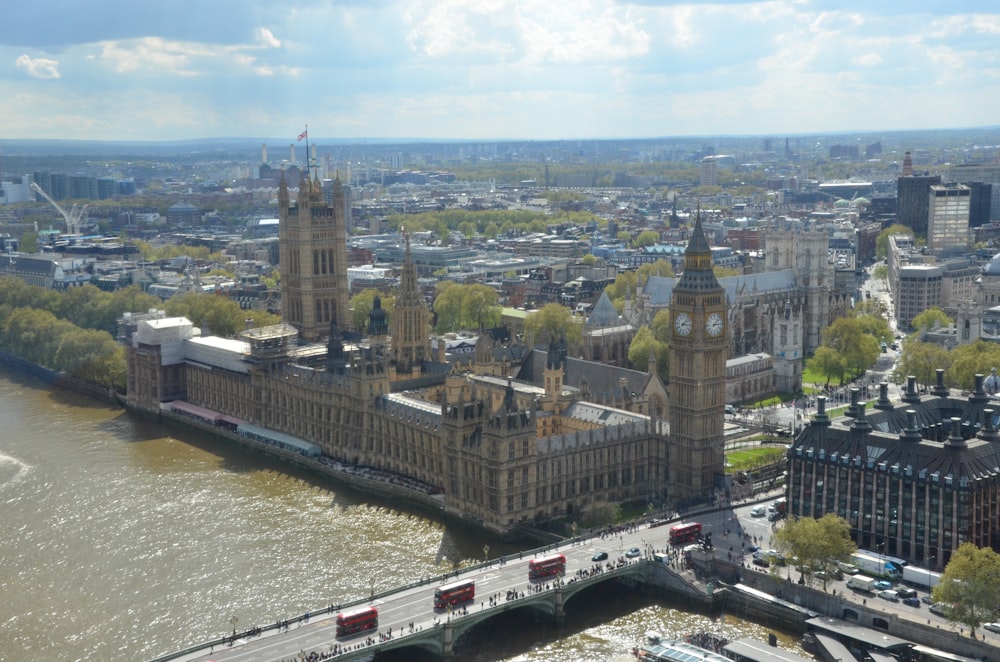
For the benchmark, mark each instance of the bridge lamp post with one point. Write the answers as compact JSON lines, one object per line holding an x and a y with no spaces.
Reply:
{"x":486,"y":553}
{"x":371,"y":585}
{"x":234,"y":621}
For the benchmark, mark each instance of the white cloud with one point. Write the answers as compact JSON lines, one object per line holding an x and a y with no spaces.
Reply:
{"x":567,"y":31}
{"x":867,"y":60}
{"x":267,"y":39}
{"x":38,"y":67}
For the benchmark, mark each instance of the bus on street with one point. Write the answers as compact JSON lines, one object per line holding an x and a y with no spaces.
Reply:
{"x":453,"y":594}
{"x":546,"y":566}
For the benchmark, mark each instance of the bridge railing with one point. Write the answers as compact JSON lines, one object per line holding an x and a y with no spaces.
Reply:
{"x":336,"y":608}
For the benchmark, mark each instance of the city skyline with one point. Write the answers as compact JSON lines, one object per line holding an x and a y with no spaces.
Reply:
{"x":461,"y":70}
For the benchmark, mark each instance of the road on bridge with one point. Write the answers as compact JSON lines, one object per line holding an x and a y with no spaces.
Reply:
{"x":415,"y":605}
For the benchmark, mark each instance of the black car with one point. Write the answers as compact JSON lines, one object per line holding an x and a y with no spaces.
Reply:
{"x":599,"y":556}
{"x":761,"y":561}
{"x":906,"y":592}
{"x":912,"y":601}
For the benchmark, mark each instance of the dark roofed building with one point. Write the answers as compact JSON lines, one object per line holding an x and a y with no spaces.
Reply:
{"x":914,"y":480}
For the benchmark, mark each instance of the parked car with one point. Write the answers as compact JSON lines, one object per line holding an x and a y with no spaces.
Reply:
{"x":911,"y":601}
{"x":599,"y":556}
{"x":889,"y":595}
{"x":937,"y":608}
{"x":992,"y":627}
{"x":758,"y":511}
{"x":927,"y":600}
{"x":882,"y":585}
{"x":761,"y":561}
{"x":634,"y":552}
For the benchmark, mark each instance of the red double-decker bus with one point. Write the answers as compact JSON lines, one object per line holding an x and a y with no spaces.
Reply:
{"x":454,"y":594}
{"x":682,"y":533}
{"x":356,"y":621}
{"x":546,"y":566}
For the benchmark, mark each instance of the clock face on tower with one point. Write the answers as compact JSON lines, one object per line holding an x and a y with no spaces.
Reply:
{"x":682,"y":324}
{"x":714,"y":325}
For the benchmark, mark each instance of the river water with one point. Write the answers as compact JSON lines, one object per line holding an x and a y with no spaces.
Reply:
{"x":124,"y":540}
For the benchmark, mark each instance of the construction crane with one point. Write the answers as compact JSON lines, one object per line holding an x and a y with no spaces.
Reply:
{"x":73,"y":217}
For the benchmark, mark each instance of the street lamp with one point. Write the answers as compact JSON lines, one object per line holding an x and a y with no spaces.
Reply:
{"x":486,"y":553}
{"x":371,"y":584}
{"x":234,"y":621}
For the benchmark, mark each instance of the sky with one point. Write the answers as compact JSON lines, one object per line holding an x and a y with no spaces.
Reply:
{"x":493,"y":69}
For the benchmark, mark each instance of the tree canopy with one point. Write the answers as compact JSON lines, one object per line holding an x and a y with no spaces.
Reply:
{"x":221,"y":315}
{"x":850,"y":346}
{"x":882,"y":241}
{"x":362,"y":304}
{"x":642,"y":344}
{"x":930,"y":319}
{"x":970,"y":586}
{"x":818,"y":544}
{"x":470,"y":307}
{"x":552,"y":321}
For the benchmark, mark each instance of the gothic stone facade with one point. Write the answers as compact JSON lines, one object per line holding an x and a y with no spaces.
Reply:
{"x":499,"y":459}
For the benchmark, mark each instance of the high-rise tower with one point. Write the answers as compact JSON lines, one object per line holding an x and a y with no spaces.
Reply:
{"x":698,"y":350}
{"x":312,"y":238}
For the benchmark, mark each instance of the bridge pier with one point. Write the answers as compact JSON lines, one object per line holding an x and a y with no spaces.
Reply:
{"x":448,"y":641}
{"x":560,"y":612}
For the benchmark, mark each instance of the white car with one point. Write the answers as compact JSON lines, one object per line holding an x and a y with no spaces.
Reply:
{"x":992,"y":627}
{"x":758,"y":511}
{"x":634,"y":552}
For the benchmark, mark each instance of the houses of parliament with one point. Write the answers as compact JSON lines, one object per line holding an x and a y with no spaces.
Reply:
{"x":498,"y":452}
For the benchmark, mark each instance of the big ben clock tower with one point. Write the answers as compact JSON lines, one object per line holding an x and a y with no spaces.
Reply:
{"x":698,"y":350}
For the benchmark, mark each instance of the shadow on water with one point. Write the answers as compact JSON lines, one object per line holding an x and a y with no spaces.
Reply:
{"x":519,"y":631}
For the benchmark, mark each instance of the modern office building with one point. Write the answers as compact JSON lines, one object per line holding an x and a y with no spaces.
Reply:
{"x":948,"y":219}
{"x":980,"y":173}
{"x":913,"y":201}
{"x":914,"y":479}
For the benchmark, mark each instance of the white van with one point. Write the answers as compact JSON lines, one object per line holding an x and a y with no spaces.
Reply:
{"x":758,"y":511}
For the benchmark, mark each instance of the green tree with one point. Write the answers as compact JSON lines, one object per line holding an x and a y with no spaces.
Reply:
{"x":659,"y":268}
{"x":646,"y":238}
{"x":970,"y":585}
{"x":969,"y":359}
{"x":84,"y":353}
{"x":931,"y":319}
{"x":848,"y":338}
{"x":589,"y":259}
{"x":922,"y":360}
{"x":28,"y":242}
{"x":882,"y":241}
{"x":726,"y":272}
{"x":661,"y":326}
{"x":466,"y":307}
{"x":642,"y":345}
{"x":222,"y":316}
{"x":550,"y":322}
{"x":828,"y":362}
{"x":874,"y":325}
{"x":881,"y":272}
{"x":818,"y":544}
{"x":362,"y":304}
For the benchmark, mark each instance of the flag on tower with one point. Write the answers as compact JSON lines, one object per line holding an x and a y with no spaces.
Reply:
{"x":304,"y":134}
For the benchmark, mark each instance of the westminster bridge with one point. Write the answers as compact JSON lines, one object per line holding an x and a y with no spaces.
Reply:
{"x":408,"y":620}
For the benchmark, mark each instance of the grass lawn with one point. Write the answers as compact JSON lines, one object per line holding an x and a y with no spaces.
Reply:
{"x":749,"y":458}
